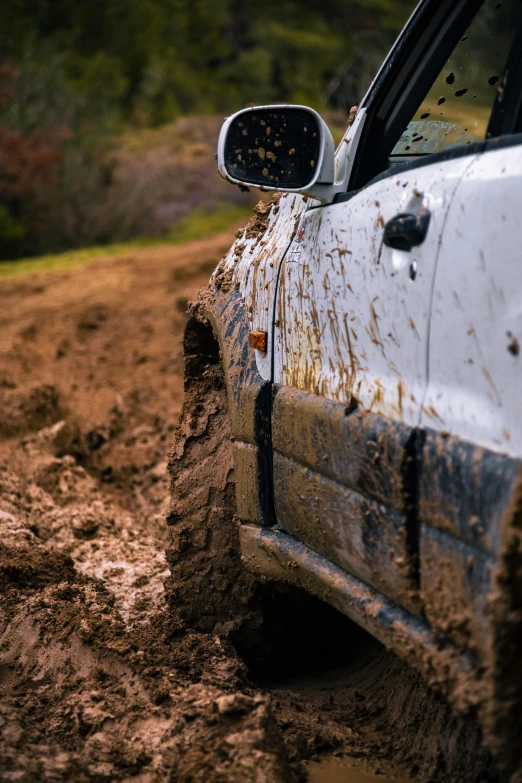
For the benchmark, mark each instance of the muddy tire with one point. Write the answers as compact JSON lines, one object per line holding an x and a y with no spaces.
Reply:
{"x":208,"y":589}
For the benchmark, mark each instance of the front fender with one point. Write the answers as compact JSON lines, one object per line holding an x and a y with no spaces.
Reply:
{"x":222,"y":314}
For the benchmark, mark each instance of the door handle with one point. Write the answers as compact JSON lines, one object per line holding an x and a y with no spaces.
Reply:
{"x":405,"y":231}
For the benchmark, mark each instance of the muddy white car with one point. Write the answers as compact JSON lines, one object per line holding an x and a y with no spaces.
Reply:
{"x":353,"y":422}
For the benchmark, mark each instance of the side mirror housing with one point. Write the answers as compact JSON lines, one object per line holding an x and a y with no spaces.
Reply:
{"x":285,"y":148}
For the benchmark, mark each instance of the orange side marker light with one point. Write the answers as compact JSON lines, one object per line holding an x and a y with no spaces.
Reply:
{"x":257,"y":340}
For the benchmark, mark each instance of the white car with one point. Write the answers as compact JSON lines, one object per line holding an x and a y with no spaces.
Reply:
{"x":367,"y":328}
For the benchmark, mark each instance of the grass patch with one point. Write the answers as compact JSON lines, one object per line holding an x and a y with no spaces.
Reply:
{"x":205,"y":221}
{"x":201,"y":222}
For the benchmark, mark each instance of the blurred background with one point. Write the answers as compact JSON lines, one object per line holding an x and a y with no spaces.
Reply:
{"x":110,"y":109}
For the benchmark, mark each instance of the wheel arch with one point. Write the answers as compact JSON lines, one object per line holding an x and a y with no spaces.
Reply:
{"x":217,"y":329}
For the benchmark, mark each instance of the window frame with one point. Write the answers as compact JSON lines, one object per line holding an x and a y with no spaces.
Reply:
{"x":506,"y":114}
{"x":404,"y":80}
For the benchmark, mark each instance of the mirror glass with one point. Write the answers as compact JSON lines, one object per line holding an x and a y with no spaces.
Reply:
{"x":273,"y":147}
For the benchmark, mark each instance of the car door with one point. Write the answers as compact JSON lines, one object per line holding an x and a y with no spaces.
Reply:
{"x":474,"y":389}
{"x":352,"y":331}
{"x":352,"y":327}
{"x":352,"y":313}
{"x":469,"y":461}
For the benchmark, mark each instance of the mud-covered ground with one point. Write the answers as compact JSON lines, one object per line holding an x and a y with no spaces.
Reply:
{"x":98,"y":682}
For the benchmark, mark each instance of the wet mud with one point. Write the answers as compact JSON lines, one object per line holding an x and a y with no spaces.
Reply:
{"x":337,"y":770}
{"x":105,"y":673}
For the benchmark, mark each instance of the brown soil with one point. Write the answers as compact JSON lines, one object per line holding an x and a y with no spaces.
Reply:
{"x":99,"y":679}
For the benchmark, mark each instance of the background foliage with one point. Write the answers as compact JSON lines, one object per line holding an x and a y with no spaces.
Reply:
{"x":79,"y":81}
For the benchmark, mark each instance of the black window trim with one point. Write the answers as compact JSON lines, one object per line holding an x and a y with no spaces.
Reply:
{"x":506,"y":114}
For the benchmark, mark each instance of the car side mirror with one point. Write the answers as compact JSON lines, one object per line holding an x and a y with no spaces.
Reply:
{"x":286,"y":148}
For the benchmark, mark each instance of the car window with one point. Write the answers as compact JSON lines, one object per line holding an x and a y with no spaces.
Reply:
{"x":458,"y":107}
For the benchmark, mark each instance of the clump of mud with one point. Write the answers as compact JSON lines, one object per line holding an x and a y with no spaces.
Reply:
{"x":258,"y":223}
{"x":99,"y":679}
{"x":29,"y":411}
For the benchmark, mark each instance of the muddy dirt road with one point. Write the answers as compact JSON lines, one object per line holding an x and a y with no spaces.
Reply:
{"x":97,"y":681}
